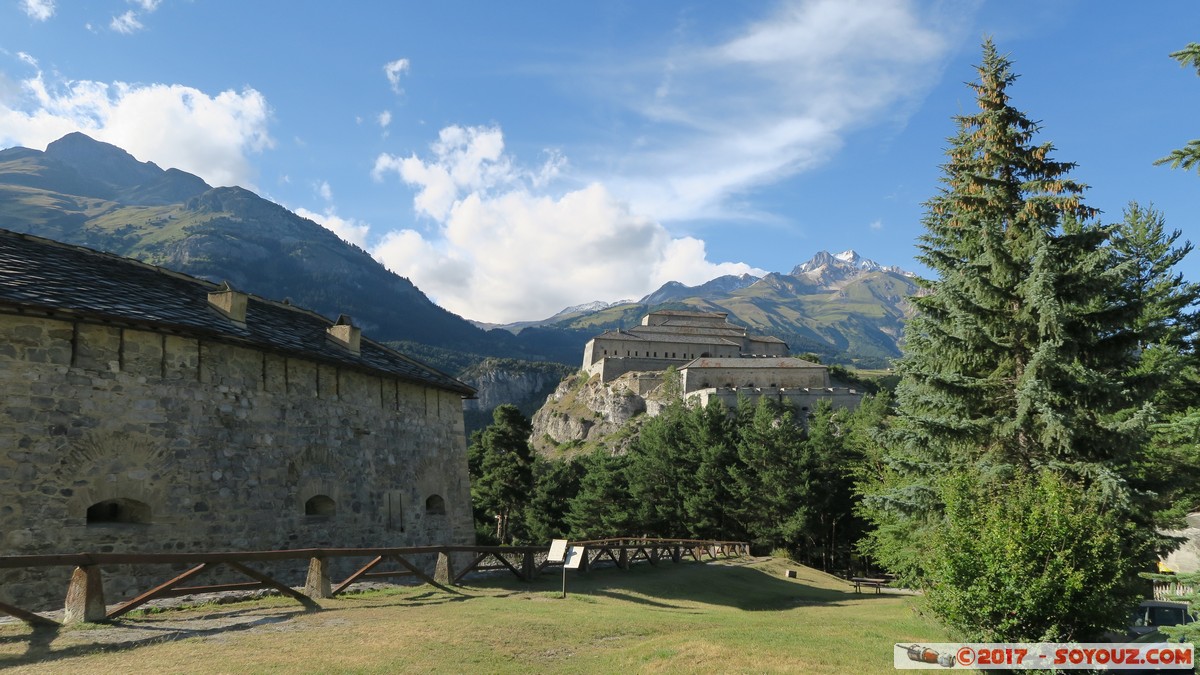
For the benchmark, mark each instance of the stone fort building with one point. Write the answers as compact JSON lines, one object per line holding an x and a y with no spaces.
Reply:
{"x":149,"y":411}
{"x":715,"y":359}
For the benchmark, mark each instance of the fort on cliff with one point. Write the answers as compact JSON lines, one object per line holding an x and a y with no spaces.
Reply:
{"x":715,"y":359}
{"x":150,"y":411}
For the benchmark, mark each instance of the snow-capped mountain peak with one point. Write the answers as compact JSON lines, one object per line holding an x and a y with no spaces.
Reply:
{"x":828,"y":269}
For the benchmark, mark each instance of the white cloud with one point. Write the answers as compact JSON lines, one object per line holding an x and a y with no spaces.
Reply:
{"x":349,"y":229}
{"x":324,"y":191}
{"x":775,"y":99}
{"x":466,"y":159}
{"x":500,"y":252}
{"x":27,"y":59}
{"x":393,"y":70}
{"x":172,"y":125}
{"x":876,"y":225}
{"x":385,"y":118}
{"x":146,"y":5}
{"x":126,"y":23}
{"x":38,"y":10}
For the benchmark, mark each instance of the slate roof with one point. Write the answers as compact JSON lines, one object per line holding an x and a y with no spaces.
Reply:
{"x":765,"y":338}
{"x":751,"y":362}
{"x":41,"y":275}
{"x":634,"y":335}
{"x":673,"y":329}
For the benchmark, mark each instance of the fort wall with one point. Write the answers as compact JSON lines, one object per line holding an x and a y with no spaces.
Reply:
{"x":611,"y":368}
{"x":801,"y":400}
{"x":133,"y":440}
{"x":772,"y":378}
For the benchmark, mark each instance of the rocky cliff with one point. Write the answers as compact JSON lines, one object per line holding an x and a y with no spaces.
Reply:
{"x":584,"y":413}
{"x":524,"y":384}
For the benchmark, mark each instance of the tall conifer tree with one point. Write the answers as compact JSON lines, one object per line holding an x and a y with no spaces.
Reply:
{"x":1015,"y":364}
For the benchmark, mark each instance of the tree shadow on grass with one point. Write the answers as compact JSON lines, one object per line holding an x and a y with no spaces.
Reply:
{"x":129,"y":633}
{"x":40,"y":648}
{"x":666,"y":585}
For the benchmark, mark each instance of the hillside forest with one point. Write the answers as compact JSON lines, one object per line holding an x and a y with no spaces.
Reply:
{"x":1044,"y":430}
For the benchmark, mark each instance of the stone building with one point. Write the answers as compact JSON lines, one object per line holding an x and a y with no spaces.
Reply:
{"x":673,"y":338}
{"x":149,"y":411}
{"x":715,"y":360}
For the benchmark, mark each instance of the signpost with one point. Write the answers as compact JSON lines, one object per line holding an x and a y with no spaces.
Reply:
{"x":570,"y":557}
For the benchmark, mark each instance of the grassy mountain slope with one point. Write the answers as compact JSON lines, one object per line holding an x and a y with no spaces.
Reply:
{"x":860,"y":321}
{"x":93,"y":194}
{"x":84,"y":192}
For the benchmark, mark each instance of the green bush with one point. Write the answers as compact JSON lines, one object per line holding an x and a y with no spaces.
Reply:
{"x":1033,"y":558}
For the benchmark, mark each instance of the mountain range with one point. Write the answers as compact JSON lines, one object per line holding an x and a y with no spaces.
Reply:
{"x":843,"y":307}
{"x":82,"y":191}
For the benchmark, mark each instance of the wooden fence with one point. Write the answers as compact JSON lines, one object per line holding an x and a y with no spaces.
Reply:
{"x":85,"y":593}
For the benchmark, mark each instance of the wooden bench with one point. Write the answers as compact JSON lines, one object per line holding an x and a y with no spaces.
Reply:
{"x":877,"y":584}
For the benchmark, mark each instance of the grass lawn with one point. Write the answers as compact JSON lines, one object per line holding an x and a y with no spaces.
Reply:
{"x":735,"y":616}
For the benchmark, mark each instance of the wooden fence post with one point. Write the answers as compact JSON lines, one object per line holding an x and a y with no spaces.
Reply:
{"x":623,"y":559}
{"x":85,"y":596}
{"x":317,"y":583}
{"x":675,"y":555}
{"x":528,"y":569}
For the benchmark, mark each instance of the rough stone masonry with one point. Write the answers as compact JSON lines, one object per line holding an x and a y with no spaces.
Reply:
{"x":148,"y":411}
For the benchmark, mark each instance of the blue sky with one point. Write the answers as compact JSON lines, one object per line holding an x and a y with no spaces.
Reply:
{"x":515,"y":158}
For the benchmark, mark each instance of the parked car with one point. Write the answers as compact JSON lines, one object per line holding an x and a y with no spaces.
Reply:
{"x":1151,"y":614}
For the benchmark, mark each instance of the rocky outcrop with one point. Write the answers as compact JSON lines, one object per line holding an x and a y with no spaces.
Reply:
{"x":500,"y":381}
{"x":585,"y":410}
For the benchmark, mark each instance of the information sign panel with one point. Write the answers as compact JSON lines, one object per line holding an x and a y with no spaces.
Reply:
{"x":574,"y":558}
{"x":558,"y":549}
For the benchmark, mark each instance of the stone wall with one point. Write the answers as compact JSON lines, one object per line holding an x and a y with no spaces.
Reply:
{"x":772,"y":378}
{"x":611,"y":368}
{"x":183,"y":444}
{"x":800,"y":400}
{"x":669,"y":352}
{"x":765,"y":347}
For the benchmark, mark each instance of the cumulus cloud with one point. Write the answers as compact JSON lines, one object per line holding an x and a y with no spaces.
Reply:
{"x":126,"y":23}
{"x":393,"y":70}
{"x":146,"y":5}
{"x":349,"y":229}
{"x":775,"y":98}
{"x":499,"y":251}
{"x":876,"y":225}
{"x":172,"y":125}
{"x":38,"y":10}
{"x":385,"y":118}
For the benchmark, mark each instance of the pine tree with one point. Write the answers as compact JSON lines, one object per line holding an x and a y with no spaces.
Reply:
{"x":554,"y":483}
{"x":502,"y":460}
{"x":601,"y":507}
{"x":662,"y":470}
{"x":1189,"y":155}
{"x":1017,"y":358}
{"x":1177,"y":441}
{"x":769,"y":480}
{"x":1166,"y":323}
{"x":709,"y":505}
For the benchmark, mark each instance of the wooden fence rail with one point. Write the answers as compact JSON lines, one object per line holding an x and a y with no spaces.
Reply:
{"x":85,"y":593}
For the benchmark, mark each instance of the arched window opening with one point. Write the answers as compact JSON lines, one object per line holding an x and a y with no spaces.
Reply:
{"x":118,"y":511}
{"x":435,"y":506}
{"x":320,"y":505}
